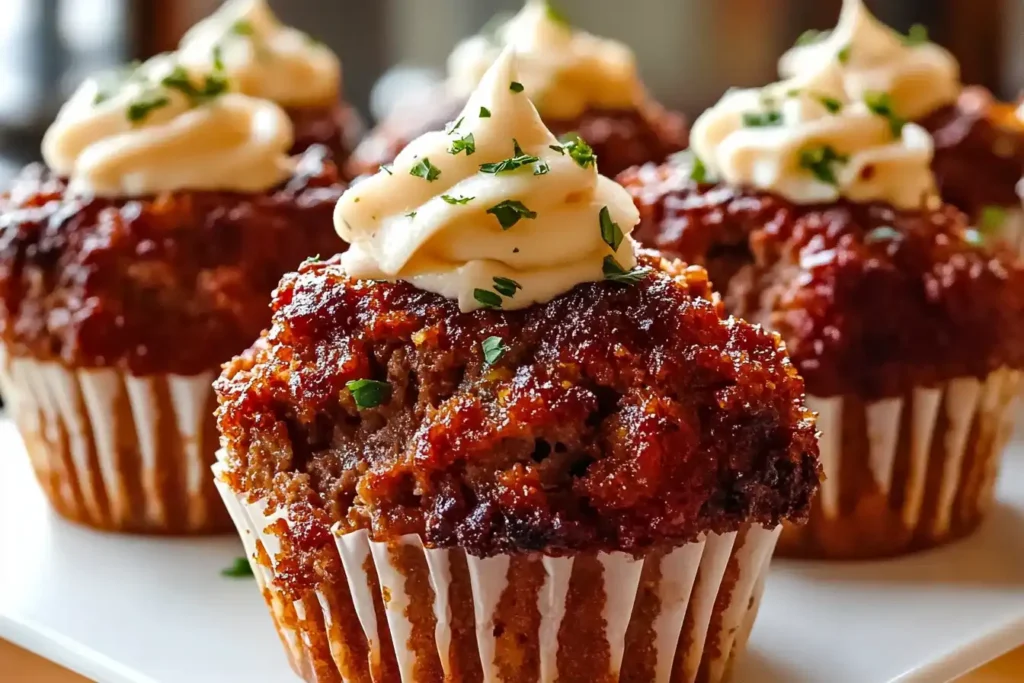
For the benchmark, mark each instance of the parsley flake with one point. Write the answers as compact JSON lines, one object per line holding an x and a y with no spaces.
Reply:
{"x":467,"y":144}
{"x":411,"y":215}
{"x":485,"y":113}
{"x":426,"y":170}
{"x":387,"y":169}
{"x":453,"y":126}
{"x":516,"y":87}
{"x":542,"y":168}
{"x":311,"y":260}
{"x":487,"y":298}
{"x":754,"y":119}
{"x":369,"y":393}
{"x":812,"y":36}
{"x":510,"y":212}
{"x":239,"y":569}
{"x":821,"y":161}
{"x":144,"y":106}
{"x":242,"y":27}
{"x":506,"y":286}
{"x":213,"y":85}
{"x":494,"y":348}
{"x":699,"y":172}
{"x":881,"y":104}
{"x":514,"y":163}
{"x":556,"y":15}
{"x":918,"y":35}
{"x":611,"y":233}
{"x":844,"y":55}
{"x":616,"y":273}
{"x":992,"y":218}
{"x":457,"y":200}
{"x":833,"y":105}
{"x":580,"y":151}
{"x":884,"y":233}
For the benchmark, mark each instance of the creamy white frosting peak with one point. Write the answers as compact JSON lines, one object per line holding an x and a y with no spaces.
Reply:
{"x":443,"y":235}
{"x":266,"y":58}
{"x":566,"y":70}
{"x":919,"y":76}
{"x":806,"y":140}
{"x":131,"y":136}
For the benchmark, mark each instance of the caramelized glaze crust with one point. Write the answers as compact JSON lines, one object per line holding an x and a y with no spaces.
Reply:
{"x":619,"y":417}
{"x":979,"y":152}
{"x":620,"y":138}
{"x":173,"y":284}
{"x":869,"y":301}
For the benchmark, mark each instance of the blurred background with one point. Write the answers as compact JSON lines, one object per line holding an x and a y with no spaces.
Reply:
{"x":689,"y":51}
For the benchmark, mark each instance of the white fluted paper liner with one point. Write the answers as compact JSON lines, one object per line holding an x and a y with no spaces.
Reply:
{"x":970,"y":408}
{"x":94,"y":439}
{"x":693,"y":591}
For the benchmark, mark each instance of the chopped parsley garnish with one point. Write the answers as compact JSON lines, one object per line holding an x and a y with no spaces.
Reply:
{"x":755,"y":119}
{"x":506,"y":286}
{"x":312,"y":259}
{"x":387,"y":169}
{"x":616,"y":273}
{"x":556,"y":15}
{"x":467,"y":144}
{"x":918,"y":35}
{"x":611,"y":233}
{"x":217,"y":54}
{"x":510,"y":212}
{"x":580,"y":151}
{"x":369,"y":393}
{"x":882,"y":233}
{"x":881,"y":104}
{"x":812,"y":36}
{"x":833,"y":105}
{"x":992,"y":218}
{"x":411,"y":214}
{"x":514,"y":163}
{"x":485,"y":113}
{"x":426,"y":170}
{"x":487,"y":298}
{"x":457,"y":200}
{"x":214,"y":85}
{"x":144,"y":106}
{"x":453,"y":126}
{"x":542,"y":168}
{"x":494,"y":348}
{"x":558,"y":148}
{"x":516,"y":86}
{"x":844,"y":55}
{"x":821,"y":161}
{"x":699,"y":172}
{"x":239,"y":569}
{"x":242,"y":27}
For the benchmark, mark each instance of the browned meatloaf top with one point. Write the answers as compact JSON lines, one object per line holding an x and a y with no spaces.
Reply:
{"x":337,"y":127}
{"x":979,"y":152}
{"x":619,"y":417}
{"x":869,"y":300}
{"x":174,"y":284}
{"x":620,"y":138}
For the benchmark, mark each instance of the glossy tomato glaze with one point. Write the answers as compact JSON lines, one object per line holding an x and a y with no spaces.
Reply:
{"x":619,"y":418}
{"x":869,"y":301}
{"x":336,"y":127}
{"x":177,"y":283}
{"x":620,"y":138}
{"x":979,"y":152}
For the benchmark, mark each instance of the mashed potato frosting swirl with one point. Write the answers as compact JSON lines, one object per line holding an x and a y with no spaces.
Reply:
{"x":493,"y":212}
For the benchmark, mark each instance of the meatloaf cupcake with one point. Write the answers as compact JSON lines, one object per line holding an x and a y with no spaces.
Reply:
{"x":131,"y":267}
{"x":583,"y":86}
{"x":491,"y":442}
{"x":817,"y":215}
{"x":275,"y":62}
{"x":979,"y":141}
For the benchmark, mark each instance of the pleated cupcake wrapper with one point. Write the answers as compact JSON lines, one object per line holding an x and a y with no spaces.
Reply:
{"x":954,"y":433}
{"x":117,"y":451}
{"x":707,"y":594}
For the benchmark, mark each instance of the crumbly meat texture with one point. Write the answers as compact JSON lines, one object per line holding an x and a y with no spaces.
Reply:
{"x":178,"y":283}
{"x":620,"y":138}
{"x":618,"y":418}
{"x":336,"y":127}
{"x":869,"y":300}
{"x":979,"y":152}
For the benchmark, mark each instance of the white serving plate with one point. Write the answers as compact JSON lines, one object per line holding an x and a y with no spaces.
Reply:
{"x":135,"y":609}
